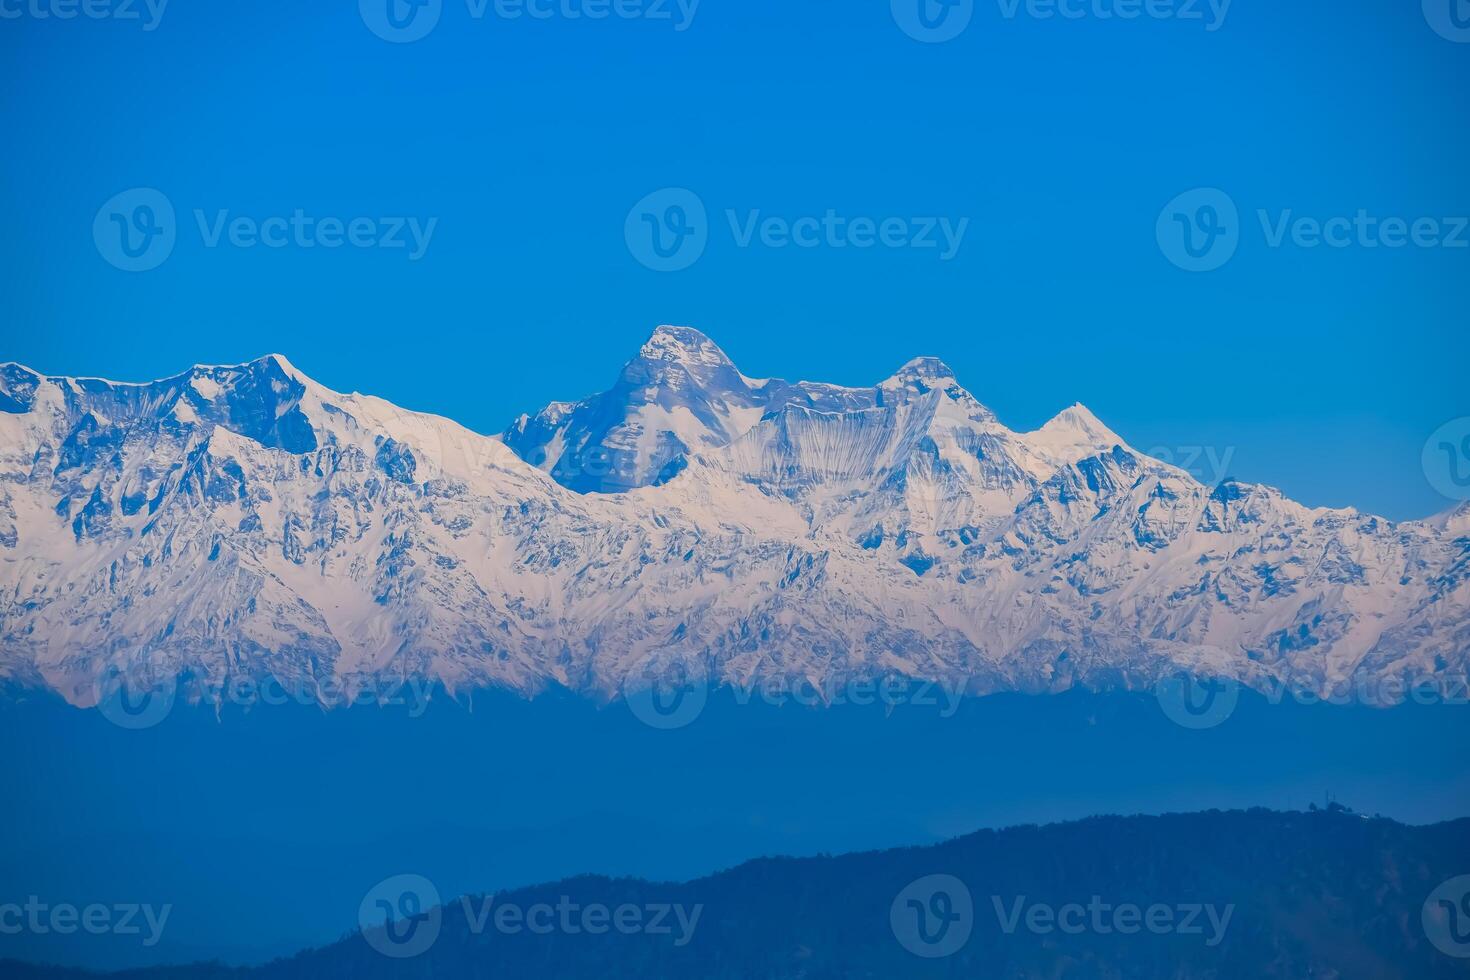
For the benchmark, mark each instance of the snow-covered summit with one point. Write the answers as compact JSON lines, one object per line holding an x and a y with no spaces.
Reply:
{"x":1072,"y":432}
{"x":922,"y":375}
{"x":681,"y":393}
{"x":684,"y":346}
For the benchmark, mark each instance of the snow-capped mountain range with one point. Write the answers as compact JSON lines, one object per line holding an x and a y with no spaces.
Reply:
{"x":246,"y":521}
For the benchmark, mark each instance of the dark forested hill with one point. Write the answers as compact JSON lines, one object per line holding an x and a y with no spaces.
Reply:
{"x":1216,"y":894}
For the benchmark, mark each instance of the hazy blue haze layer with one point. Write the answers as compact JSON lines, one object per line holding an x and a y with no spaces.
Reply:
{"x":265,"y":828}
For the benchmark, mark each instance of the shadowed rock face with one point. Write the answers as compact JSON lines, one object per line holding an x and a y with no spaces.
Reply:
{"x":681,"y":394}
{"x":246,"y":520}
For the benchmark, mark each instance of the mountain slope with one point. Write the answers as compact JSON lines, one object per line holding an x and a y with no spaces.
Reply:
{"x":1285,"y":895}
{"x":243,"y":522}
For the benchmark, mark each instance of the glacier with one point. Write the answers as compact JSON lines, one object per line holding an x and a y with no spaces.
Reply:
{"x":247,"y":522}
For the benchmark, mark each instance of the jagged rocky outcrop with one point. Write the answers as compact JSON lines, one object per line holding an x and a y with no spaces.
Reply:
{"x":245,"y":521}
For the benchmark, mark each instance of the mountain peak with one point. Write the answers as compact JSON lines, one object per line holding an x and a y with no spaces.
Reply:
{"x":685,"y":346}
{"x":1456,"y":520}
{"x":1078,"y":416}
{"x":266,"y":362}
{"x":1072,"y":429}
{"x":922,"y":375}
{"x":923,"y":369}
{"x":280,"y":361}
{"x":269,"y":372}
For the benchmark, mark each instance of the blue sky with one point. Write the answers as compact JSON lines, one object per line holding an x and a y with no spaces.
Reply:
{"x":1318,"y":369}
